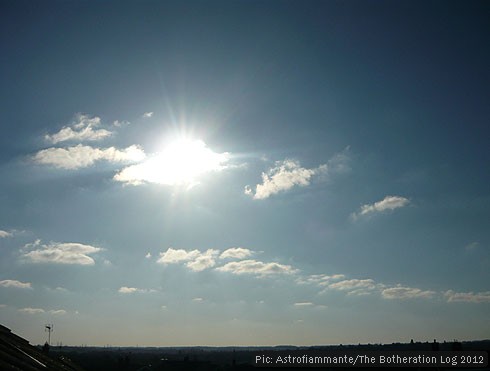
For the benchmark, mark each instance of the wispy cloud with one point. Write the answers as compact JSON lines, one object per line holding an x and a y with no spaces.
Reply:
{"x":32,"y":310}
{"x":472,"y":246}
{"x":304,"y":304}
{"x":29,"y":310}
{"x":469,"y":297}
{"x":401,"y":292}
{"x":320,"y":279}
{"x":119,"y":124}
{"x":15,"y":284}
{"x":60,"y":253}
{"x":83,"y":128}
{"x":257,"y":268}
{"x":4,"y":234}
{"x":81,"y":156}
{"x":289,"y":173}
{"x":57,"y":312}
{"x":388,"y":203}
{"x":147,"y":115}
{"x":132,"y":290}
{"x":236,"y":253}
{"x":354,"y":286}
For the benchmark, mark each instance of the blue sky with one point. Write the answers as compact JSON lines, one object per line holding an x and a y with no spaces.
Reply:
{"x":245,"y":173}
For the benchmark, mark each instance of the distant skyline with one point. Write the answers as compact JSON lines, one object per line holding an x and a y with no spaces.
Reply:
{"x":222,"y":173}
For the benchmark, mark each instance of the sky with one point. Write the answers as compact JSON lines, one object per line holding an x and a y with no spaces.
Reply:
{"x":178,"y":173}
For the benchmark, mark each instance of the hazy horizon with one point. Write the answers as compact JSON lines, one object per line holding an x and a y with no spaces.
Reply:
{"x":248,"y":173}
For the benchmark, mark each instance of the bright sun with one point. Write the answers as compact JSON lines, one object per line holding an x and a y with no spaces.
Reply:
{"x":181,"y":162}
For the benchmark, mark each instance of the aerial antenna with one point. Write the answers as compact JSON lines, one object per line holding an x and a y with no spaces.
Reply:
{"x":49,"y":329}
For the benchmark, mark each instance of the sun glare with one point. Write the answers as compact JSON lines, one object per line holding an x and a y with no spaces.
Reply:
{"x":181,"y":162}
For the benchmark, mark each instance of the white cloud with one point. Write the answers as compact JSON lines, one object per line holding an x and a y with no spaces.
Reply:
{"x":284,"y":176}
{"x":388,"y":203}
{"x":60,"y":253}
{"x":127,"y":290}
{"x":304,"y":304}
{"x":198,"y":300}
{"x":81,"y":156}
{"x":256,"y":267}
{"x":58,"y":311}
{"x":132,"y":290}
{"x":203,"y":261}
{"x":195,"y":259}
{"x":288,"y":173}
{"x":236,"y":253}
{"x":401,"y":292}
{"x":31,"y":310}
{"x":16,"y":284}
{"x":181,"y":162}
{"x":354,"y":286}
{"x":4,"y":234}
{"x":147,"y":115}
{"x":3,"y":305}
{"x":469,"y":297}
{"x":177,"y":256}
{"x":148,"y":256}
{"x":119,"y":124}
{"x":320,"y":279}
{"x":82,"y":129}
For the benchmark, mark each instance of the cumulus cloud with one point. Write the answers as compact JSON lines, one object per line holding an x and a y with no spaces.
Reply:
{"x":203,"y":261}
{"x":60,"y":253}
{"x":194,"y":260}
{"x":235,"y":253}
{"x":147,"y":115}
{"x":15,"y":284}
{"x":469,"y":297}
{"x":198,"y":300}
{"x":257,"y":268}
{"x":81,"y":156}
{"x":401,"y":292}
{"x":289,"y":173}
{"x":4,"y":234}
{"x":132,"y":290}
{"x":284,"y":176}
{"x":83,"y":128}
{"x":388,"y":203}
{"x":177,"y":256}
{"x":31,"y":310}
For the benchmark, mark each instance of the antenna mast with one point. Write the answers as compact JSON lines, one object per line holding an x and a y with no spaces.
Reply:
{"x":49,"y":329}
